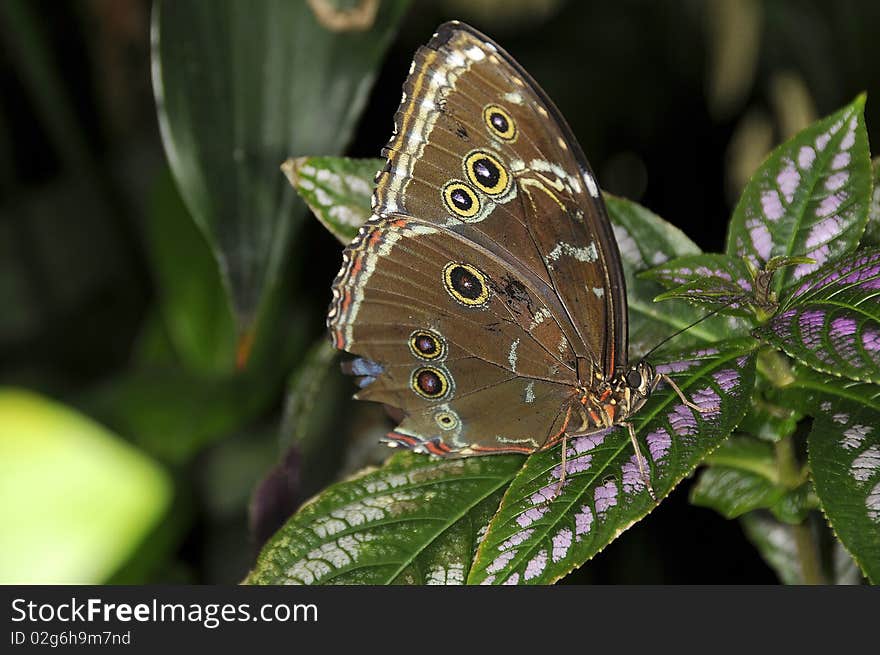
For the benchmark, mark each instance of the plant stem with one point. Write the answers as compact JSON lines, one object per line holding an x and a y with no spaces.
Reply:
{"x":791,"y":475}
{"x":807,"y":554}
{"x":775,"y":367}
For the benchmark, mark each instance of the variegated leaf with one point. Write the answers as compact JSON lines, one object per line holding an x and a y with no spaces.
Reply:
{"x":536,"y":539}
{"x":336,"y":189}
{"x":831,"y":320}
{"x":872,"y":229}
{"x":416,"y":520}
{"x":844,"y":457}
{"x":809,"y":198}
{"x":844,"y":447}
{"x":693,"y":270}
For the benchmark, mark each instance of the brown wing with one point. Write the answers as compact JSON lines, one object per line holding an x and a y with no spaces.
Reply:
{"x":480,"y":150}
{"x":447,"y":334}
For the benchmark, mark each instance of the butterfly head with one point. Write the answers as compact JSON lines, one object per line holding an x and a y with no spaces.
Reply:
{"x":639,"y":382}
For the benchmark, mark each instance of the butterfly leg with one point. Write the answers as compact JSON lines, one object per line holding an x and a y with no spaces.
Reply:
{"x":561,"y":483}
{"x":640,"y":460}
{"x":564,"y":435}
{"x":699,"y":408}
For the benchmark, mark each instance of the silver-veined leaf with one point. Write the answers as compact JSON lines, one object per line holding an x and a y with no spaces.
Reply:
{"x":536,"y":539}
{"x":808,"y":199}
{"x":415,"y":520}
{"x":336,"y":189}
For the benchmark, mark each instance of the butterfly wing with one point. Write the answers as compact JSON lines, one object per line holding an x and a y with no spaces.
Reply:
{"x":446,"y":334}
{"x":465,"y":97}
{"x":488,"y":285}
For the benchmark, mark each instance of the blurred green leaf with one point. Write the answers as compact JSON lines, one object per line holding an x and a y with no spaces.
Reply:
{"x":732,"y":492}
{"x":794,"y":506}
{"x":75,"y":500}
{"x":535,"y":538}
{"x":790,"y":549}
{"x":308,"y":393}
{"x":809,"y":198}
{"x":416,"y":520}
{"x":766,"y":420}
{"x":173,"y":414}
{"x":746,"y":454}
{"x":240,"y":87}
{"x":743,"y":475}
{"x":337,"y":190}
{"x":192,"y":300}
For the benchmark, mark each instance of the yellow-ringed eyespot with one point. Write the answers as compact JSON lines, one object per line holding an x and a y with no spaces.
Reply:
{"x":447,"y":419}
{"x":466,"y":284}
{"x":486,"y":173}
{"x":460,"y":199}
{"x":499,"y":122}
{"x":427,"y":345}
{"x":429,"y":382}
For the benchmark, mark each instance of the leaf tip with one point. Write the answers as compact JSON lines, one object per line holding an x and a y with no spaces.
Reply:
{"x":291,"y":168}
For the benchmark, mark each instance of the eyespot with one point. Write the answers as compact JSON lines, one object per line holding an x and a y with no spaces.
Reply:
{"x":486,"y":173}
{"x":427,"y":345}
{"x":429,"y":382}
{"x":460,"y":199}
{"x":499,"y":122}
{"x":634,"y":379}
{"x":447,"y":420}
{"x":466,"y":284}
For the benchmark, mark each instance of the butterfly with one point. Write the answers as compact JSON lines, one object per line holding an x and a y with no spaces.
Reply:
{"x":485,"y":297}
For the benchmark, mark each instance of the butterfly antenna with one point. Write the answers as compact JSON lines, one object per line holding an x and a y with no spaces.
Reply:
{"x":688,"y":327}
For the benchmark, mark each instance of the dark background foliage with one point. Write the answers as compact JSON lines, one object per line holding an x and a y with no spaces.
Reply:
{"x":675,"y":103}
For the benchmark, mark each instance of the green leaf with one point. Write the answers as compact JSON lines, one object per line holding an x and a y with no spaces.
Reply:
{"x":732,"y":492}
{"x":337,"y":190}
{"x":240,"y":87}
{"x":831,"y":320}
{"x":748,"y":455}
{"x":535,"y":540}
{"x":844,"y":453}
{"x":794,"y":506}
{"x":645,"y":240}
{"x":781,"y":546}
{"x":307,"y":392}
{"x":173,"y":414}
{"x":843,"y":447}
{"x":809,"y":392}
{"x":744,"y":476}
{"x":776,"y":543}
{"x":872,"y":229}
{"x":77,"y":499}
{"x":766,"y":420}
{"x":192,"y":302}
{"x":415,"y":520}
{"x":809,"y":198}
{"x":713,"y":279}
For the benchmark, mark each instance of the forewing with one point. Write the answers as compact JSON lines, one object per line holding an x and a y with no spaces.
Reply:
{"x":468,"y":106}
